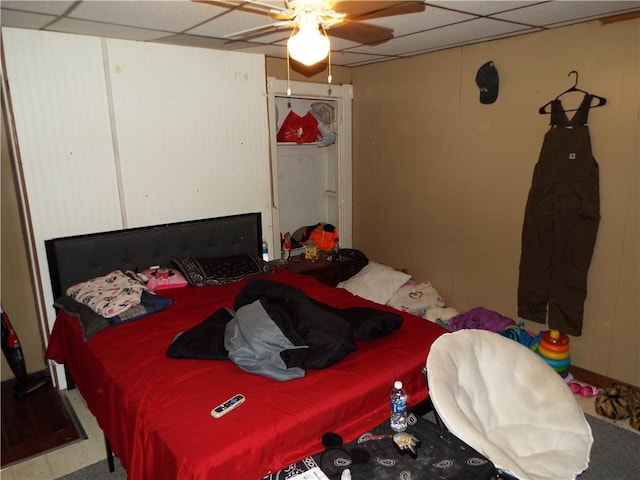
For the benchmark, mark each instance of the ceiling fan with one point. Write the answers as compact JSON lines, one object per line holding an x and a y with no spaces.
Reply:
{"x":319,"y":18}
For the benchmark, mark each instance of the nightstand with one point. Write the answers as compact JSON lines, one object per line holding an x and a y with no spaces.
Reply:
{"x":328,"y":272}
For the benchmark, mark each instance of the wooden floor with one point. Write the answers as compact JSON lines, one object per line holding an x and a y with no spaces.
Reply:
{"x":36,"y":423}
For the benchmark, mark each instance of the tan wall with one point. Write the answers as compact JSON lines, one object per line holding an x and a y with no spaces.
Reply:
{"x":17,"y":296}
{"x":441,"y":181}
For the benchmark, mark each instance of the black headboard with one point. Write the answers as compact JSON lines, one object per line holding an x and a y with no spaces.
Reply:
{"x":82,"y":257}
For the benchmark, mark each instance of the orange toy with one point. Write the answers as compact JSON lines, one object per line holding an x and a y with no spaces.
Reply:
{"x":324,"y":236}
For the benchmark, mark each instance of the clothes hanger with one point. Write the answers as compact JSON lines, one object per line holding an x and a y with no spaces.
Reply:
{"x":601,"y":100}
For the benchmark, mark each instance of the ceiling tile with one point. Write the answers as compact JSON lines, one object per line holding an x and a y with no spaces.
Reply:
{"x":458,"y":34}
{"x":431,"y":18}
{"x":443,"y":24}
{"x":26,"y":19}
{"x":51,"y":8}
{"x":268,"y":50}
{"x":169,"y":16}
{"x":341,"y":43}
{"x":233,"y":22}
{"x":279,"y":37}
{"x":204,"y":42}
{"x":482,"y":8}
{"x":552,"y":13}
{"x":82,"y":27}
{"x":353,"y":59}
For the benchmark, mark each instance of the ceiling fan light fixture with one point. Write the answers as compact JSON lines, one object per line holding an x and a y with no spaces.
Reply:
{"x":307,"y":44}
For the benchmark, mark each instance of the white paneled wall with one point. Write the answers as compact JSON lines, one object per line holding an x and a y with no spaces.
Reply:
{"x":192,"y":131}
{"x":60,"y":110}
{"x":115,"y":134}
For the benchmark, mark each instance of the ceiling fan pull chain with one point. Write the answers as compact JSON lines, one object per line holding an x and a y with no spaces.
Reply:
{"x":289,"y":65}
{"x":288,"y":77}
{"x":329,"y":78}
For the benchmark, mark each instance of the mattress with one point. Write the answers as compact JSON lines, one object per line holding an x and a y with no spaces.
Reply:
{"x":155,"y":410}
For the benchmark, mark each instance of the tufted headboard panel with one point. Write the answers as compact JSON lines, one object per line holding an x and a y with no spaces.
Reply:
{"x":82,"y":257}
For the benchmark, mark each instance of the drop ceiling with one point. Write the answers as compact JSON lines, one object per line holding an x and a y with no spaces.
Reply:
{"x":442,"y":24}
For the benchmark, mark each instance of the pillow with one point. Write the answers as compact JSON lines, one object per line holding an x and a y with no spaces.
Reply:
{"x":149,"y":303}
{"x":108,"y":295}
{"x":221,"y":270}
{"x":92,"y":323}
{"x":416,"y":299}
{"x":164,"y":278}
{"x":89,"y":320}
{"x":375,"y":282}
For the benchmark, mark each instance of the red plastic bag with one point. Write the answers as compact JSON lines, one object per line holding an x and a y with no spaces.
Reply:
{"x":298,"y":129}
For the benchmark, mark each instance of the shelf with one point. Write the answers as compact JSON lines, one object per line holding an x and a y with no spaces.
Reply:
{"x":293,"y":144}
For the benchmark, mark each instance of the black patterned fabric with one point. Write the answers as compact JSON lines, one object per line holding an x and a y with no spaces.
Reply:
{"x":221,"y":270}
{"x":360,"y":261}
{"x":440,"y":455}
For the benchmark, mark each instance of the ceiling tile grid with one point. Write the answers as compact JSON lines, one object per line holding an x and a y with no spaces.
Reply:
{"x":208,"y":24}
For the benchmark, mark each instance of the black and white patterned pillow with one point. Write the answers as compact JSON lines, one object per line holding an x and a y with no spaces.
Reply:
{"x":221,"y":270}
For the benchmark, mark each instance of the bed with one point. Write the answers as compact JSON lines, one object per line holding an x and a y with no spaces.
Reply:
{"x":155,"y":410}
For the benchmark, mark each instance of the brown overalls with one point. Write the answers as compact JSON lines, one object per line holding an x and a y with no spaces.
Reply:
{"x":560,"y":224}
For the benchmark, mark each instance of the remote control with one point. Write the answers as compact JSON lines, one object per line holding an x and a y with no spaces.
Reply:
{"x":227,"y":406}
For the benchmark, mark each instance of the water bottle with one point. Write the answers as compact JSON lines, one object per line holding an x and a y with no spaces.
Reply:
{"x":335,"y":251}
{"x":265,"y":250}
{"x":398,"y":408}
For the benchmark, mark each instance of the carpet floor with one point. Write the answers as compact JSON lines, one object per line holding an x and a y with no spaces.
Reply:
{"x":614,"y":456}
{"x":615,"y":453}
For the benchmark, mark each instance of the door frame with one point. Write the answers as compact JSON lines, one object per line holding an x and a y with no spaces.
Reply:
{"x":342,"y":95}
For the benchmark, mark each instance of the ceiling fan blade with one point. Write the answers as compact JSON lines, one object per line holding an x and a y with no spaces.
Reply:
{"x":350,"y":28}
{"x":360,"y":32}
{"x":252,"y":6}
{"x":368,"y":10}
{"x":259,"y":31}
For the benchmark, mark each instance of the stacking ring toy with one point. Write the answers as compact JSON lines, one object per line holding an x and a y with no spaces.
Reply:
{"x":558,"y":365}
{"x":553,"y":347}
{"x":554,"y":341}
{"x":552,"y":355}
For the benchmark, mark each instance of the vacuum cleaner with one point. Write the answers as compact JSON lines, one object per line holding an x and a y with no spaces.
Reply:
{"x":13,"y":353}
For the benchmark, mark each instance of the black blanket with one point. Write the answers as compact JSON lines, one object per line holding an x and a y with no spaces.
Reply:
{"x":326,"y":333}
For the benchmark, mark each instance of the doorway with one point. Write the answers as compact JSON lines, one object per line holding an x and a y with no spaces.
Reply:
{"x":310,"y":183}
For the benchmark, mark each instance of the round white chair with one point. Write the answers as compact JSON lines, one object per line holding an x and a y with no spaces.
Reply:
{"x":506,"y":402}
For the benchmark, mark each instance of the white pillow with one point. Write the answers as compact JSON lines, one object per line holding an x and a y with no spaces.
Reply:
{"x":375,"y":282}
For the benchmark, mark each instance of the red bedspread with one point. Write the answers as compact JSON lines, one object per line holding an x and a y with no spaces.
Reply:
{"x":156,"y":410}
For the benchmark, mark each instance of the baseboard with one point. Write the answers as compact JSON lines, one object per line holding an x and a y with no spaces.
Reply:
{"x":600,"y":381}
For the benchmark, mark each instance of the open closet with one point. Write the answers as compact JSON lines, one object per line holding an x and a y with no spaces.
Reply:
{"x":310,"y":183}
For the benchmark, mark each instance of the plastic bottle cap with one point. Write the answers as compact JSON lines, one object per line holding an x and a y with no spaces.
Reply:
{"x":397,"y":384}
